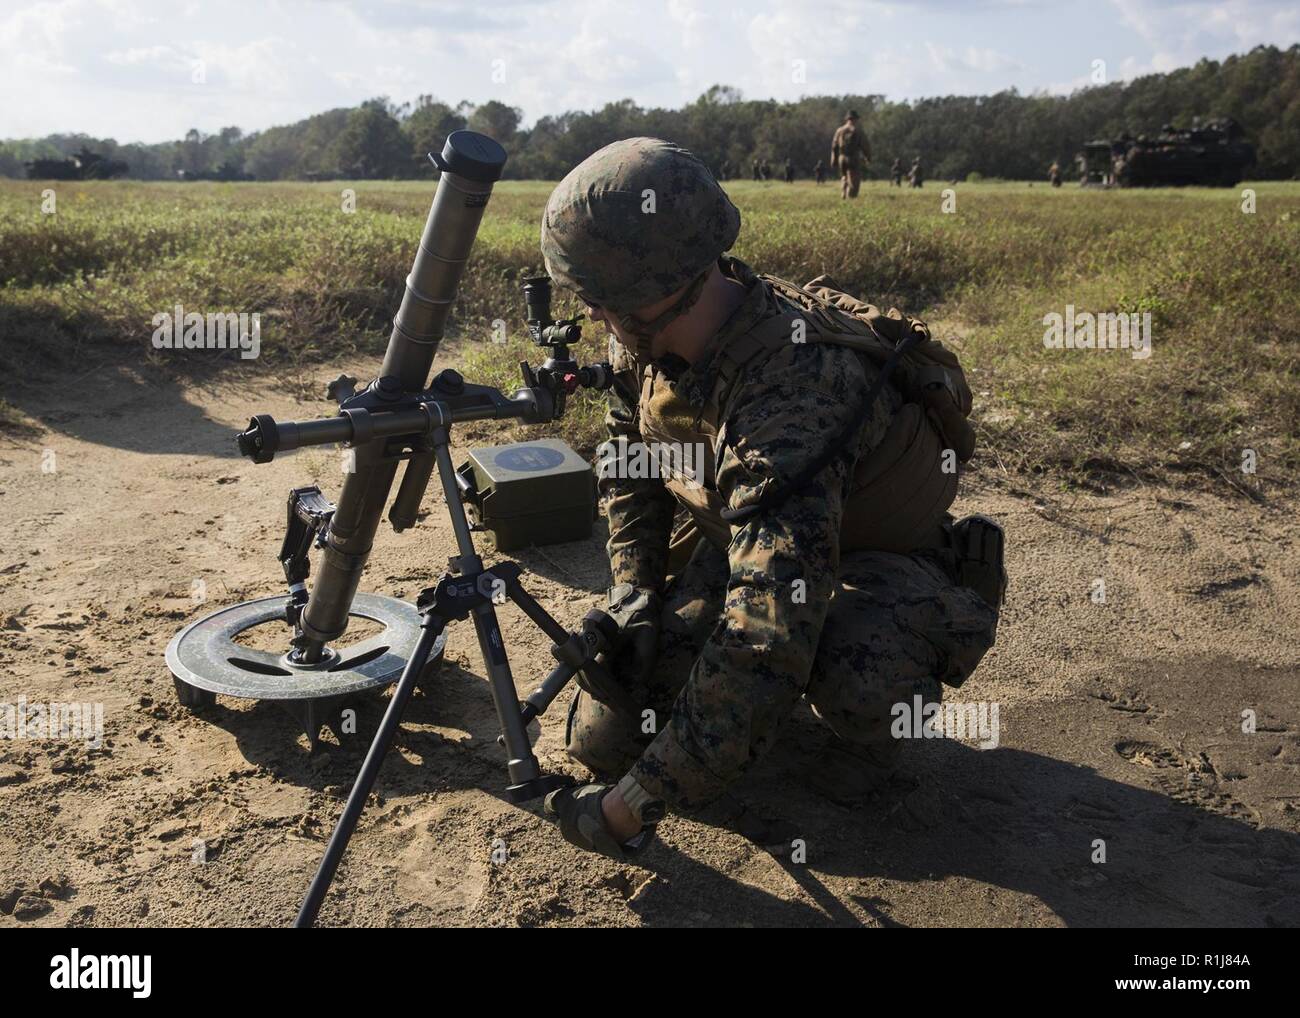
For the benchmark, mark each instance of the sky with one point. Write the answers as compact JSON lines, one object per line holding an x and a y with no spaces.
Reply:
{"x":149,"y":70}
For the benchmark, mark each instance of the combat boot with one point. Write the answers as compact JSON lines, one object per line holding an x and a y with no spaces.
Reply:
{"x":978,"y":543}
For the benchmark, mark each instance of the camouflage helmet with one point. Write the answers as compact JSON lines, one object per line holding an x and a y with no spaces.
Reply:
{"x":598,"y":241}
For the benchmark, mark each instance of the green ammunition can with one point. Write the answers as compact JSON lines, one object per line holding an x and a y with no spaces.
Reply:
{"x":529,"y":493}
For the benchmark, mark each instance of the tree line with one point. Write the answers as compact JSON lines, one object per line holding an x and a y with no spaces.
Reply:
{"x":1006,"y":135}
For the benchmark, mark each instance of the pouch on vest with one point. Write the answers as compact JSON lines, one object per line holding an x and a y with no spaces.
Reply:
{"x":902,"y":488}
{"x":931,"y":375}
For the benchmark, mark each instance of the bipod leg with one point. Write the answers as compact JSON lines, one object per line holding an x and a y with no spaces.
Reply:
{"x":432,"y":627}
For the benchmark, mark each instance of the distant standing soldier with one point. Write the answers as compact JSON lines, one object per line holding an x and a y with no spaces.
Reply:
{"x":766,"y":167}
{"x":758,"y":171}
{"x":789,"y":172}
{"x":819,"y":172}
{"x":724,"y":170}
{"x":914,"y":175}
{"x":1054,"y":174}
{"x":896,"y":173}
{"x":849,"y":153}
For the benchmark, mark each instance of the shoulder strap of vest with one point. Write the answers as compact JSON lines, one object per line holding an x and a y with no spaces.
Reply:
{"x":925,"y":371}
{"x":864,"y":327}
{"x":767,"y":336}
{"x":775,"y":331}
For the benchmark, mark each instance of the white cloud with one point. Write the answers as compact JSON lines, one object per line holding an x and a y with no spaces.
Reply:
{"x":158,"y":56}
{"x":951,"y":61}
{"x":1178,"y":33}
{"x":34,"y":39}
{"x":261,"y":66}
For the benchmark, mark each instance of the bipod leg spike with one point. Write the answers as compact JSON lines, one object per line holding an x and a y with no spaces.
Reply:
{"x":315,"y":713}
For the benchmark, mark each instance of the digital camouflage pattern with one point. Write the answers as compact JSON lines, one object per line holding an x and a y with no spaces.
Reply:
{"x":895,"y":624}
{"x":752,"y":624}
{"x":635,"y":222}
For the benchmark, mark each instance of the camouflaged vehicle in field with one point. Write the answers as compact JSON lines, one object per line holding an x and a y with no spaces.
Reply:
{"x":1213,"y":154}
{"x":83,"y":165}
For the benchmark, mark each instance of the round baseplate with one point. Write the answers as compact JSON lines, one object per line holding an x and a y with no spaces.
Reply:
{"x":205,"y":655}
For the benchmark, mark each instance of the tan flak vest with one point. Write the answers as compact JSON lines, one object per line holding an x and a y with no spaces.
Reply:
{"x":900,"y":492}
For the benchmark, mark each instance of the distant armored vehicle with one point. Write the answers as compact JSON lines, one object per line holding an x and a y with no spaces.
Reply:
{"x":1214,"y":154}
{"x":85,"y":165}
{"x":1095,"y":164}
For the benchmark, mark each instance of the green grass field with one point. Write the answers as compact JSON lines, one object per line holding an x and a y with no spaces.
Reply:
{"x":1222,"y":287}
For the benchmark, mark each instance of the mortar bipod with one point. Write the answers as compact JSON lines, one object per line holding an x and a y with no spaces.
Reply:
{"x":475,"y":593}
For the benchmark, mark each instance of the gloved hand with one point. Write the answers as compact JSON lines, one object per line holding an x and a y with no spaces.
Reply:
{"x":637,"y":610}
{"x":582,"y":822}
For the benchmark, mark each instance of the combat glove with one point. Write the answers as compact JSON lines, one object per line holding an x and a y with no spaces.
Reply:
{"x":582,"y":822}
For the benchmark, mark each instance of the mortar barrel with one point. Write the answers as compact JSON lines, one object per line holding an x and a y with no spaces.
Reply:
{"x":471,"y":163}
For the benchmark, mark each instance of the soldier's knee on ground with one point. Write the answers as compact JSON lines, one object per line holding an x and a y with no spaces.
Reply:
{"x":864,"y":713}
{"x":960,"y":625}
{"x":605,"y":742}
{"x":898,"y":628}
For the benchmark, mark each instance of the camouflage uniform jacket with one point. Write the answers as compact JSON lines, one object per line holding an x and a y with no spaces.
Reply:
{"x":783,"y":562}
{"x":850,"y":142}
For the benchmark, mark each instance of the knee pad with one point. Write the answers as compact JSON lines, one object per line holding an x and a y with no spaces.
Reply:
{"x":600,"y":739}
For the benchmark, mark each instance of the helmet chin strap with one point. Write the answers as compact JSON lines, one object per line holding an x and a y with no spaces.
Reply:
{"x":645,"y":332}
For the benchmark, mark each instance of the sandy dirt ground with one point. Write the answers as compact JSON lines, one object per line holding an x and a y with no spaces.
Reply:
{"x":1120,"y":721}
